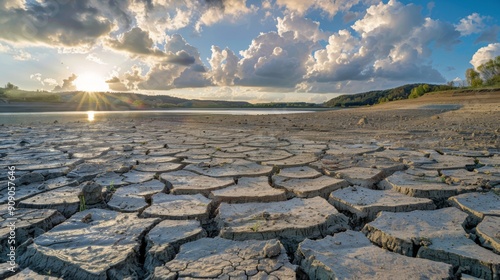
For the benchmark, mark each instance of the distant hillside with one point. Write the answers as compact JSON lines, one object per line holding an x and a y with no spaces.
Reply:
{"x":130,"y":101}
{"x":379,"y":96}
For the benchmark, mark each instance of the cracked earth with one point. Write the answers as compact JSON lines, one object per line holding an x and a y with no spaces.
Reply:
{"x":173,"y":200}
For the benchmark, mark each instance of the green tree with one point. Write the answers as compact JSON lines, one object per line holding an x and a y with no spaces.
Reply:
{"x":11,"y":86}
{"x":419,"y":91}
{"x":490,"y":71}
{"x":473,"y":78}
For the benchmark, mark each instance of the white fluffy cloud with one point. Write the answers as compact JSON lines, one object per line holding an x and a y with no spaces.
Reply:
{"x":484,"y":54}
{"x":183,"y":68}
{"x":279,"y":58}
{"x":473,"y":23}
{"x":224,"y":66}
{"x":390,"y":42}
{"x":43,"y":81}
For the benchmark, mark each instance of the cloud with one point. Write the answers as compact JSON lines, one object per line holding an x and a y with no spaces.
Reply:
{"x":4,"y":48}
{"x":430,"y":6}
{"x":278,"y":59}
{"x":218,"y":10}
{"x":22,"y":56}
{"x":390,"y":43}
{"x":116,"y":84}
{"x":45,"y":82}
{"x":16,"y":53}
{"x":224,"y":66}
{"x":135,"y":42}
{"x":67,"y":84}
{"x":181,"y":68}
{"x":472,"y":24}
{"x":133,"y":78}
{"x":484,"y":54}
{"x":489,"y":35}
{"x":54,"y":23}
{"x":93,"y":57}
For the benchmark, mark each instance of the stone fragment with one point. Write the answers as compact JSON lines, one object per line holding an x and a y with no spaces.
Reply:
{"x":361,"y":176}
{"x":29,"y":223}
{"x":255,"y":189}
{"x":423,"y":186}
{"x":133,"y":198}
{"x":92,"y":193}
{"x":219,"y":258}
{"x":229,"y":168}
{"x":350,"y":255}
{"x":179,"y":207}
{"x":93,"y":244}
{"x":488,"y":232}
{"x":436,"y":235}
{"x":290,"y":221}
{"x":478,"y":205}
{"x":301,"y":172}
{"x":366,"y":203}
{"x":164,"y":240}
{"x":65,"y":200}
{"x":306,"y":188}
{"x":187,"y":182}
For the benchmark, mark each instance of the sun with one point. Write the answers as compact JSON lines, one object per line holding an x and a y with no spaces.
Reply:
{"x":90,"y":82}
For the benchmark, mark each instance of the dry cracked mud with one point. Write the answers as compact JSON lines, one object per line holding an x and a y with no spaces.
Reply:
{"x":184,"y":200}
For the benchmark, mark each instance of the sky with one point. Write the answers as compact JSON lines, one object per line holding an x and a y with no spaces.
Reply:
{"x":245,"y":50}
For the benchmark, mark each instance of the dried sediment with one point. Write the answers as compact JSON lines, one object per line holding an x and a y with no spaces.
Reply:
{"x":366,"y":203}
{"x":106,"y":243}
{"x":350,"y":255}
{"x":223,"y":259}
{"x":436,"y":235}
{"x":290,"y":221}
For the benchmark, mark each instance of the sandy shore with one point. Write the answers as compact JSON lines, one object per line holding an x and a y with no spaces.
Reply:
{"x":445,"y":120}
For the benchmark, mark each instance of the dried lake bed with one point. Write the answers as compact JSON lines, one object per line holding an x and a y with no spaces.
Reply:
{"x":316,"y":196}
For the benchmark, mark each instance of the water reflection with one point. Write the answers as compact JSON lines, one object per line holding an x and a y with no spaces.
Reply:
{"x":90,"y":116}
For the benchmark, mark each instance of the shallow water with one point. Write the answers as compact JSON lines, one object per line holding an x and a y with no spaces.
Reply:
{"x":91,"y":116}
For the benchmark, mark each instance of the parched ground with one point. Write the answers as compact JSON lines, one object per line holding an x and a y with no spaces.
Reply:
{"x":409,"y":187}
